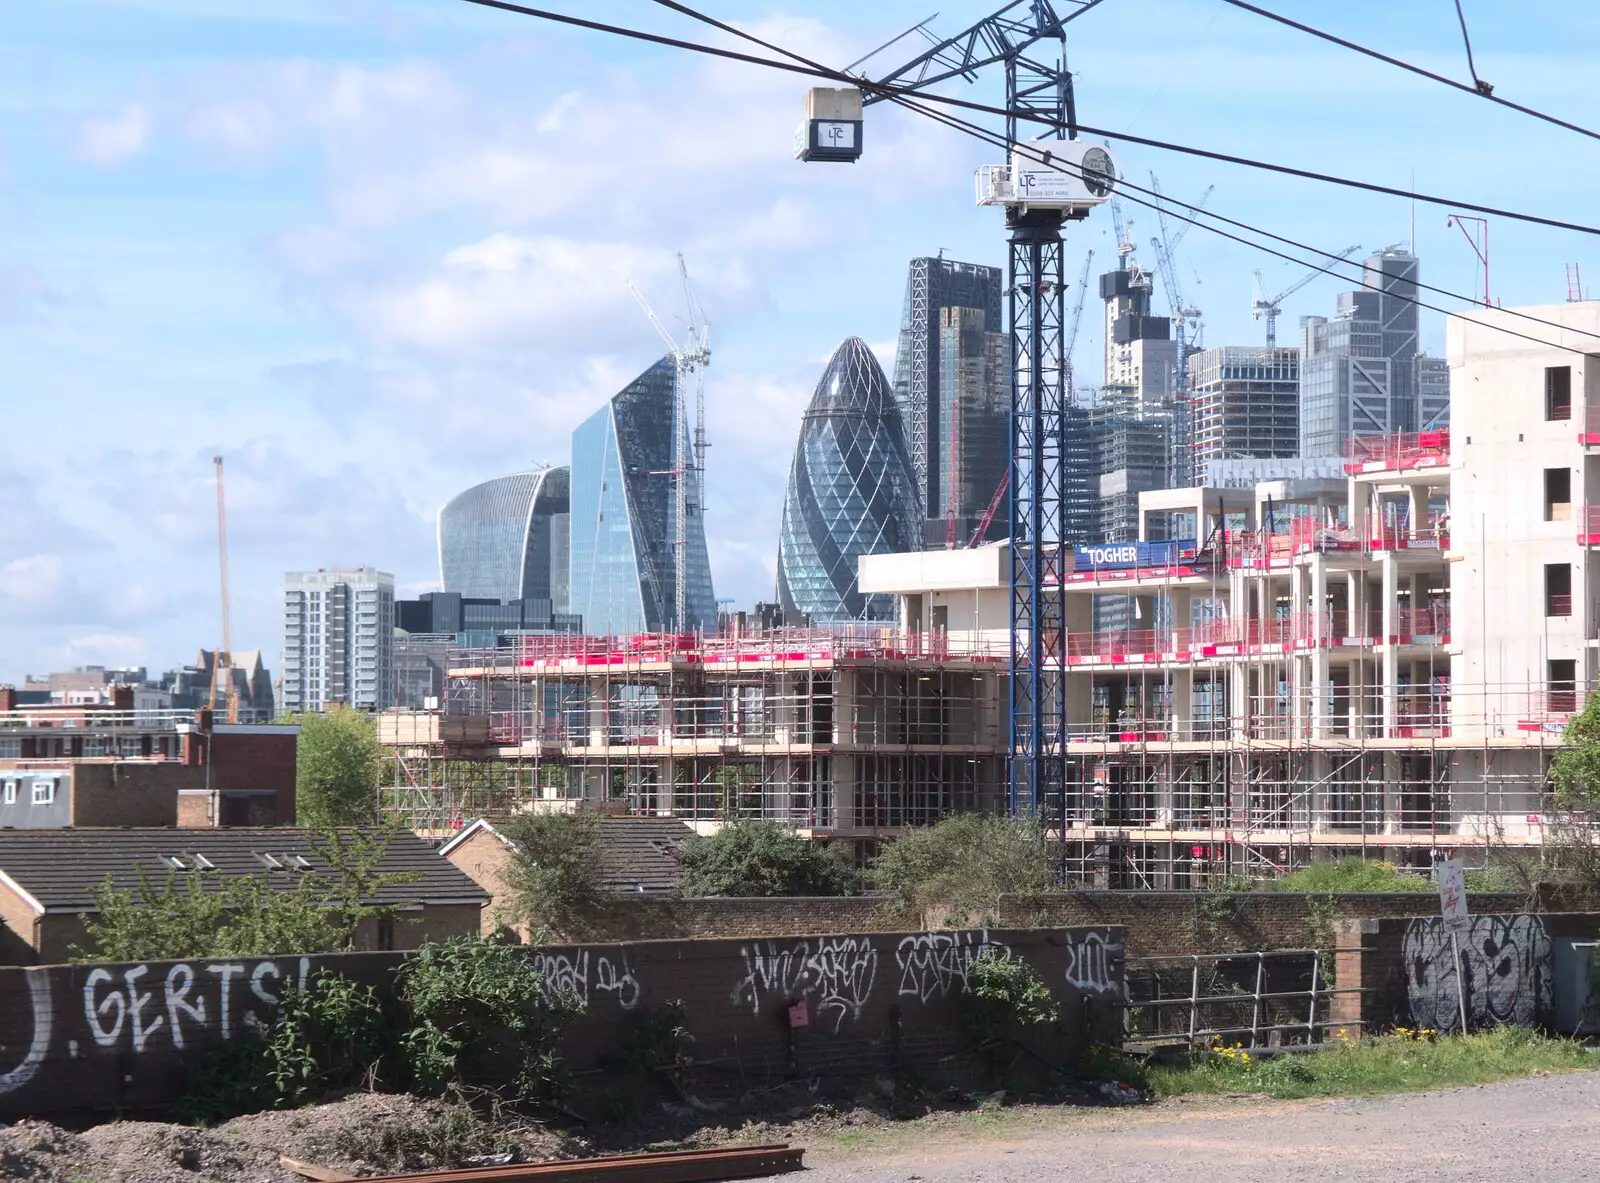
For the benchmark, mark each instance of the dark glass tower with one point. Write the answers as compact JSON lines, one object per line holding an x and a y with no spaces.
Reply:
{"x":851,"y":492}
{"x":921,"y":386}
{"x":624,"y":515}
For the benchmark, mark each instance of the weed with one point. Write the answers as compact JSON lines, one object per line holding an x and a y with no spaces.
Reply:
{"x":1006,"y":993}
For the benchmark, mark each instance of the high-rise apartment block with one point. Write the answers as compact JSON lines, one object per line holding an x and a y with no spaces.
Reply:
{"x":626,"y":460}
{"x":1140,"y":354}
{"x":934,"y":285}
{"x":338,"y":639}
{"x":1358,"y":371}
{"x":1245,"y":402}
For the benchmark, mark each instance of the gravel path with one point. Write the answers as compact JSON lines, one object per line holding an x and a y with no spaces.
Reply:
{"x":1542,"y":1128}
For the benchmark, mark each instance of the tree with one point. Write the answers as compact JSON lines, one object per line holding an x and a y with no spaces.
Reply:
{"x":955,"y":872}
{"x":1576,"y":768}
{"x":336,"y":777}
{"x":757,"y":858}
{"x":552,"y":876}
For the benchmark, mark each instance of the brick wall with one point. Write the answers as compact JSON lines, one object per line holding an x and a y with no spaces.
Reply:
{"x":1157,"y":922}
{"x":120,"y":1036}
{"x":245,"y":762}
{"x":1406,"y":969}
{"x":129,"y":794}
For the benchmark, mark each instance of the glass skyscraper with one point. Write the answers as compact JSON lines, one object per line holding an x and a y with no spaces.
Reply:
{"x":934,"y":285}
{"x":851,"y":492}
{"x":1358,"y":371}
{"x":624,"y":515}
{"x":507,"y":539}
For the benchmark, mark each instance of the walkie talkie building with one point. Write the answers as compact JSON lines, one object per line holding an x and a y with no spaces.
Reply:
{"x":851,"y":492}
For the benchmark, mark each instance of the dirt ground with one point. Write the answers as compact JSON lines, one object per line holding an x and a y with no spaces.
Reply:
{"x":1540,"y":1128}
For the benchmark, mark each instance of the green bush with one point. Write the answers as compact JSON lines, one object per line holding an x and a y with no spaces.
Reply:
{"x":955,"y":872}
{"x":758,"y":858}
{"x":482,"y":1012}
{"x":1007,"y":994}
{"x":1353,"y":874}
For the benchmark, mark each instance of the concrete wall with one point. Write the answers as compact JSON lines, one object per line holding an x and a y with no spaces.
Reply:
{"x":100,"y":1036}
{"x":1501,"y":444}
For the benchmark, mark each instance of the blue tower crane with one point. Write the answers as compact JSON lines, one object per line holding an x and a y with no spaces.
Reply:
{"x":1051,"y":500}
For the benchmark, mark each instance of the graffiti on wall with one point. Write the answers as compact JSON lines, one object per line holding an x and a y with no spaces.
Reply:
{"x":1092,"y":962}
{"x":137,"y":1008}
{"x":835,"y":973}
{"x":1507,"y":972}
{"x":936,"y":964}
{"x":570,"y":972}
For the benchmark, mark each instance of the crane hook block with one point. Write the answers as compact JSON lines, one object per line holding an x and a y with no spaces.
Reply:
{"x":832,"y":126}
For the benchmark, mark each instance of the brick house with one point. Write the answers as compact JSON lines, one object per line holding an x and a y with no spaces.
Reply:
{"x":47,"y":878}
{"x":635,"y":854}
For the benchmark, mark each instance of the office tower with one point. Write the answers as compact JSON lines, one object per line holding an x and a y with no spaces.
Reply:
{"x":1140,"y":354}
{"x":625,"y":464}
{"x":1433,"y":393}
{"x":1245,"y":402}
{"x":934,"y":285}
{"x":851,"y":492}
{"x":974,"y":406}
{"x":338,"y":639}
{"x":1358,"y":371}
{"x":507,"y":539}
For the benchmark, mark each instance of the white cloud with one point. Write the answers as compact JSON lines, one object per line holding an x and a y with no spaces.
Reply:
{"x":106,"y":649}
{"x":110,"y":139}
{"x":34,"y":579}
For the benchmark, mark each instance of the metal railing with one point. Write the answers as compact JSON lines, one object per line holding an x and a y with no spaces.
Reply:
{"x":1411,"y":449}
{"x":1207,"y":999}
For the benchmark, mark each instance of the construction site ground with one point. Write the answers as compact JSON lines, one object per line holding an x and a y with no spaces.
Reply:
{"x":1540,"y":1127}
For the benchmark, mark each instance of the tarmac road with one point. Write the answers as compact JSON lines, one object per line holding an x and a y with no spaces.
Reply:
{"x":1543,"y":1128}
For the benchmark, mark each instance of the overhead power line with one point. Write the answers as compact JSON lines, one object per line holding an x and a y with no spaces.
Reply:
{"x":1161,"y":202}
{"x":1035,"y":117}
{"x":1479,"y":88}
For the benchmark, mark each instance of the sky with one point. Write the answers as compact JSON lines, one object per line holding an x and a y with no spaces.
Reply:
{"x":373,"y":252}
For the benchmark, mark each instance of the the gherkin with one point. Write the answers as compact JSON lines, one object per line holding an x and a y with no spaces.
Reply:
{"x":851,"y":492}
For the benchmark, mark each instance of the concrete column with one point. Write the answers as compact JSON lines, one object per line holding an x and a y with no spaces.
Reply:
{"x":1389,"y":650}
{"x":1182,"y":702}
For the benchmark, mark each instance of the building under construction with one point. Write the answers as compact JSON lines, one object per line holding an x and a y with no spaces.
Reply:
{"x":1382,"y":664}
{"x":850,"y":733}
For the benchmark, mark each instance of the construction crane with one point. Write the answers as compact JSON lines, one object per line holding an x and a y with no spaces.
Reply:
{"x":688,"y":451}
{"x":1165,"y":246}
{"x":1044,"y":184}
{"x":1268,"y":309}
{"x":222,"y":663}
{"x":1077,"y":316}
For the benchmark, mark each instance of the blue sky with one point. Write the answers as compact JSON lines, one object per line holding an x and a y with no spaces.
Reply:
{"x":373,"y":252}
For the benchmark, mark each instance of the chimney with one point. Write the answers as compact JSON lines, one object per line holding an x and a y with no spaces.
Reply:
{"x":122,"y":698}
{"x":8,"y":698}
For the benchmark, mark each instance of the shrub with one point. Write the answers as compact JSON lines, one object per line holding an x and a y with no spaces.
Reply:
{"x":1007,"y":993}
{"x":757,"y":858}
{"x":482,"y":1012}
{"x":956,"y":871}
{"x":1352,"y":874}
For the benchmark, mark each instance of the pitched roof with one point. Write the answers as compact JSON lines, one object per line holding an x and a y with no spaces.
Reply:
{"x":60,"y":868}
{"x":633,"y":853}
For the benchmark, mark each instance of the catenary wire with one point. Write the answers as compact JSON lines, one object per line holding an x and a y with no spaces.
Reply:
{"x":990,"y":137}
{"x":1160,"y":199}
{"x":1478,"y":91}
{"x":890,"y":92}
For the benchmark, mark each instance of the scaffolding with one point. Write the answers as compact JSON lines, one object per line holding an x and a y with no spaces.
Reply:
{"x":851,"y":733}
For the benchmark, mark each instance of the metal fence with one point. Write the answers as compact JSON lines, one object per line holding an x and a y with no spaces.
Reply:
{"x":1255,"y":1000}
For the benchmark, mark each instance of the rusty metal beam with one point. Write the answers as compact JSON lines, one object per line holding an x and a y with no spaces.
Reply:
{"x":672,"y":1166}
